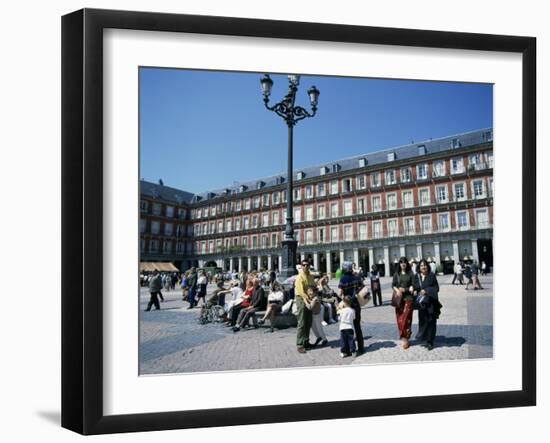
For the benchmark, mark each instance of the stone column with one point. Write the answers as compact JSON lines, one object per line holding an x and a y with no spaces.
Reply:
{"x":316,"y":261}
{"x":269,"y":263}
{"x":201,"y":263}
{"x":437,"y":253}
{"x":240,"y":264}
{"x":387,"y":260}
{"x":280,"y":262}
{"x":259,"y":266}
{"x":356,"y":257}
{"x":402,"y":251}
{"x":475,"y":252}
{"x":371,"y":258}
{"x":302,"y":257}
{"x":329,"y":262}
{"x":419,"y":250}
{"x":456,"y":252}
{"x":341,"y":258}
{"x":231,"y":264}
{"x":249,"y":263}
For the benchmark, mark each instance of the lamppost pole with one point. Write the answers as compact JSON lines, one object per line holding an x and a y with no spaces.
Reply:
{"x":292,"y":114}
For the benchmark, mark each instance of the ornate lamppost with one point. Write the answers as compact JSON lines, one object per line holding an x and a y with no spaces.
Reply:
{"x":291,"y":114}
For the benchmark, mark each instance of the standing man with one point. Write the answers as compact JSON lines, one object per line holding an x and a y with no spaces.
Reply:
{"x":155,"y":285}
{"x":192,"y":285}
{"x":303,"y":282}
{"x":350,"y":285}
{"x":375,"y":286}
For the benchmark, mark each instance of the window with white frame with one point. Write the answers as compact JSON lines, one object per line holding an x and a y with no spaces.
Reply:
{"x":245,"y":242}
{"x":439,"y":169}
{"x":153,"y":246}
{"x":276,"y":197}
{"x":408,"y":199}
{"x":274,"y":242}
{"x":455,"y":143}
{"x":203,"y":247}
{"x":143,"y":205}
{"x":238,"y":224}
{"x":321,"y":235}
{"x":265,"y":219}
{"x":376,"y":203}
{"x":348,"y":233}
{"x":309,"y":213}
{"x":348,"y":208}
{"x":321,"y":190}
{"x":478,"y":189}
{"x":220,"y":226}
{"x":375,"y":179}
{"x":443,"y":222}
{"x":426,"y":223}
{"x":205,"y":229}
{"x":482,"y":218}
{"x":254,"y":242}
{"x":155,"y":227}
{"x":228,"y":226}
{"x":489,"y":156}
{"x":491,"y":187}
{"x":460,"y":192}
{"x":245,"y":223}
{"x":334,"y":234}
{"x":408,"y":225}
{"x":441,"y":192}
{"x":346,"y":185}
{"x":361,"y":208}
{"x":168,"y":228}
{"x":363,"y":231}
{"x":297,"y":235}
{"x":334,"y":210}
{"x":421,"y":171}
{"x":157,"y":208}
{"x":238,"y":205}
{"x":334,"y":187}
{"x":297,"y":192}
{"x":309,"y":191}
{"x":275,"y":218}
{"x":424,"y":197}
{"x":377,"y":229}
{"x":390,"y":177}
{"x":264,"y":241}
{"x":169,"y":211}
{"x":142,"y":224}
{"x":475,"y":161}
{"x":462,"y":220}
{"x":361,"y":182}
{"x":391,"y":201}
{"x":392,"y":227}
{"x":265,"y":200}
{"x":297,"y":215}
{"x":308,"y":237}
{"x":457,"y":165}
{"x":321,"y":212}
{"x":213,"y":211}
{"x":406,"y":174}
{"x":247,"y":204}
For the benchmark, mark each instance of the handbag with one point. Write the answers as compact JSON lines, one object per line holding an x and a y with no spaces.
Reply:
{"x":396,"y":299}
{"x":363,"y":296}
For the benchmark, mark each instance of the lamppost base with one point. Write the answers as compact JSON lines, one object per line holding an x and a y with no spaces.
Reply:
{"x":289,"y":259}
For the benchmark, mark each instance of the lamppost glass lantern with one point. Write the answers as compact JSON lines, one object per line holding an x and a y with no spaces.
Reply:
{"x":267,"y":84}
{"x":294,"y":79}
{"x":313,"y":93}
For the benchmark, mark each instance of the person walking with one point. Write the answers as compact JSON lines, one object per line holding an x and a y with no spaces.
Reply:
{"x":483,"y":268}
{"x":458,"y":274}
{"x":468,"y":275}
{"x":402,"y":284}
{"x":303,"y":281}
{"x":375,"y":286}
{"x":475,"y":276}
{"x":429,"y":307}
{"x":202,"y":284}
{"x":155,"y":285}
{"x":351,"y":285}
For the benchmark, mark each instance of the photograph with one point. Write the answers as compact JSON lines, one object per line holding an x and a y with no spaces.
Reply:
{"x":297,"y":220}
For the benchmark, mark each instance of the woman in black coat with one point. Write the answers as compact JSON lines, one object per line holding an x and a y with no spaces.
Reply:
{"x":429,"y":308}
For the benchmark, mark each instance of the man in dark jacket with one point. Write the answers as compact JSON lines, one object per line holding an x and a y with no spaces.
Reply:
{"x":258,"y":302}
{"x":192,"y":285}
{"x":155,"y":285}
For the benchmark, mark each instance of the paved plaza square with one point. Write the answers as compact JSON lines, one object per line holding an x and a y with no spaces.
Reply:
{"x":173,"y":341}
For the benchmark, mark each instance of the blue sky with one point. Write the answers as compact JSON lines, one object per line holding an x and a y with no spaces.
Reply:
{"x":205,"y":130}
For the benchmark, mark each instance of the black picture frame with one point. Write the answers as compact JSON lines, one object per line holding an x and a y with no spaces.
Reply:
{"x":82,"y":218}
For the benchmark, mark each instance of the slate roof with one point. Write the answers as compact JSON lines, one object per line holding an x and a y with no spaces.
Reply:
{"x":163,"y":192}
{"x":409,"y":151}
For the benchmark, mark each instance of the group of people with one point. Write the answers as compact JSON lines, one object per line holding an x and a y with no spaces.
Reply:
{"x":315,"y":303}
{"x":471,"y":272}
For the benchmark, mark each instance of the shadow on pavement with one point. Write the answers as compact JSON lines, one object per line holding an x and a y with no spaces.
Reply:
{"x":380,"y":345}
{"x":449,"y":342}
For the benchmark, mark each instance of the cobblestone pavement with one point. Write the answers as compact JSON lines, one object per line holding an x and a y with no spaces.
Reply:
{"x":172,"y":341}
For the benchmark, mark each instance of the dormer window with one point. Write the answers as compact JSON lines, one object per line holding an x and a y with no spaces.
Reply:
{"x":242,"y":188}
{"x":455,"y":143}
{"x":260,"y":185}
{"x":362,"y":162}
{"x":391,"y":156}
{"x":323,"y":170}
{"x":279,"y":180}
{"x":422,"y":150}
{"x":300,"y":175}
{"x":335,"y":167}
{"x":210,"y":195}
{"x":488,"y":136}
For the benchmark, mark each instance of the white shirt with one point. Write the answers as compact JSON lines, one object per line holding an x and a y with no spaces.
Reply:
{"x":236,"y":293}
{"x":347,"y":316}
{"x":201,"y":280}
{"x":276,"y":296}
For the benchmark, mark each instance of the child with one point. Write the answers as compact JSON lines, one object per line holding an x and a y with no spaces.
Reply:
{"x":347,"y":316}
